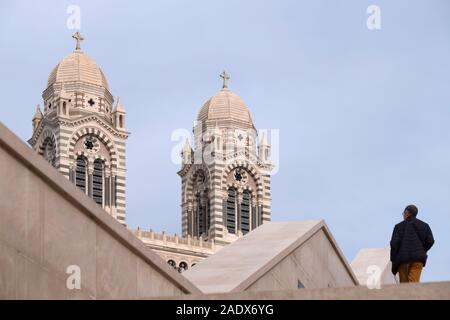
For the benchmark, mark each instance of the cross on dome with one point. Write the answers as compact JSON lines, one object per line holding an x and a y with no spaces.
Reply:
{"x":225,"y":76}
{"x":77,"y":36}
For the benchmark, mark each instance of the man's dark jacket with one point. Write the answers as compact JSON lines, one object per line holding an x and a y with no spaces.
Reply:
{"x":411,"y":240}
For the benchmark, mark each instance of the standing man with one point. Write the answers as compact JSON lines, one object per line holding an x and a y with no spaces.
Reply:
{"x":411,"y":240}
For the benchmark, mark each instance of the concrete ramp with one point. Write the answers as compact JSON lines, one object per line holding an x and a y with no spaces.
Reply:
{"x":276,"y":256}
{"x":57,"y":243}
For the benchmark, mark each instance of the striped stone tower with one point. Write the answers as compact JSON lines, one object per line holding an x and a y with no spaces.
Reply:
{"x":81,"y":132}
{"x":225,"y":177}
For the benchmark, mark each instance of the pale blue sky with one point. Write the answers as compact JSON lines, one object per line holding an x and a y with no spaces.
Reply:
{"x":363,"y":115}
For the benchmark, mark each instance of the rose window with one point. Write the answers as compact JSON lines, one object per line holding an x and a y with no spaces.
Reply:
{"x":91,"y":144}
{"x":241,"y":176}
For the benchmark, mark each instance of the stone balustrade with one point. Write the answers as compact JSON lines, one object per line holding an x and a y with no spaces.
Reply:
{"x":190,"y":243}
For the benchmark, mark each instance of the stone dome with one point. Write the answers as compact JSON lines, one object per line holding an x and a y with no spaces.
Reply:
{"x":225,"y":105}
{"x":75,"y":67}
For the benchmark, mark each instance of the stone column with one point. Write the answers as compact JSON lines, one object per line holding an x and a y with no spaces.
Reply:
{"x":74,"y":174}
{"x":71,"y":174}
{"x":115,"y":191}
{"x":253,"y":214}
{"x":107,"y":191}
{"x":207,"y":215}
{"x":259,"y":214}
{"x":89,"y":180}
{"x":224,"y":213}
{"x":190,"y":218}
{"x":239,"y":199}
{"x":195,"y":219}
{"x":202,"y":210}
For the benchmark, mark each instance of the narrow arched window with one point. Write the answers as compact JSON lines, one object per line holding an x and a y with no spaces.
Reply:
{"x":97,"y":182}
{"x":172,"y":263}
{"x":231,"y":211}
{"x":120,"y":121}
{"x":64,"y":108}
{"x":202,"y":213}
{"x":182,"y":267}
{"x":48,"y":150}
{"x":80,"y":173}
{"x":245,"y":212}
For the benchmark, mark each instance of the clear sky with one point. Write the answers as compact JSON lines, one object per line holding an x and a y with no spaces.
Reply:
{"x":363,"y":114}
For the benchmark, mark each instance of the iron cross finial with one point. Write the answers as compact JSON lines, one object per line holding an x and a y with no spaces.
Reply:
{"x":77,"y":36}
{"x":225,"y":76}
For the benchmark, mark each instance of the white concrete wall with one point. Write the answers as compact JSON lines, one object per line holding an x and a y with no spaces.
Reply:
{"x":407,"y":291}
{"x":47,"y":224}
{"x":372,"y":267}
{"x":315,"y":264}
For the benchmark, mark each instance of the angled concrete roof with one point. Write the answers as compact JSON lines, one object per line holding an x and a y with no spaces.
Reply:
{"x":368,"y":258}
{"x":238,"y":265}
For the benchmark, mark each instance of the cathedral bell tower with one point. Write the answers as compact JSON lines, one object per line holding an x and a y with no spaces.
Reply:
{"x":81,"y":132}
{"x":225,"y":181}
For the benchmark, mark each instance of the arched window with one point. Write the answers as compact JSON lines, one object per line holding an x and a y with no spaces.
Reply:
{"x":203,"y":215}
{"x":201,"y":205}
{"x":64,"y":108}
{"x":48,"y":150}
{"x":97,"y":182}
{"x":80,"y":173}
{"x":172,"y":263}
{"x":231,"y":211}
{"x":183,"y":267}
{"x":245,"y":212}
{"x":120,"y":121}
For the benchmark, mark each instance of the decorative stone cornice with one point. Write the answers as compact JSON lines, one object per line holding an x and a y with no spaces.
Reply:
{"x":185,"y":170}
{"x":55,"y":122}
{"x":180,"y":244}
{"x":248,"y":157}
{"x":96,"y":118}
{"x":37,"y":133}
{"x":231,"y":157}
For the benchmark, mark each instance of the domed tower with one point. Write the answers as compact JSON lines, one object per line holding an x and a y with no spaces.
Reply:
{"x":225,"y":181}
{"x":81,"y":132}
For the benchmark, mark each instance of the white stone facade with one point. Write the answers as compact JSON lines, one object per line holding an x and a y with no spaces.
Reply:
{"x":81,"y":132}
{"x":225,"y":182}
{"x":182,"y":253}
{"x":226,"y":177}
